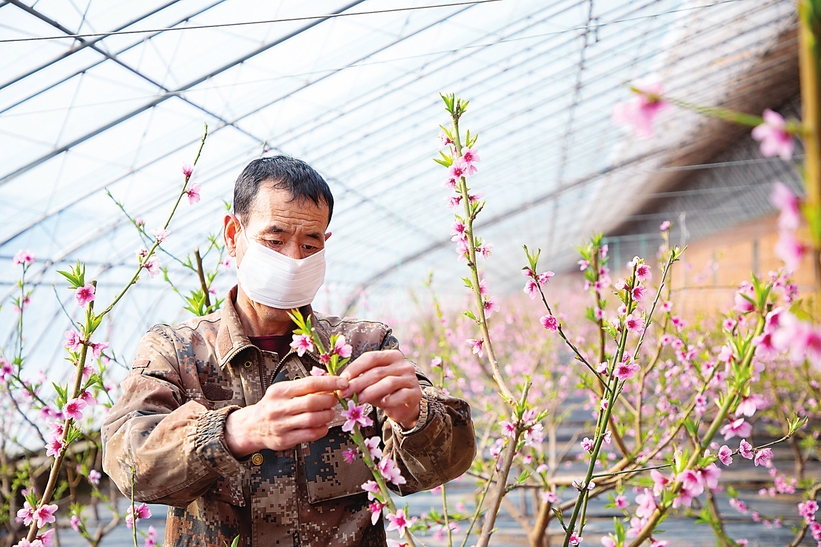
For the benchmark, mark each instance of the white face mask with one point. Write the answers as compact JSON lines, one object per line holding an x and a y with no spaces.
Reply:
{"x":278,"y":281}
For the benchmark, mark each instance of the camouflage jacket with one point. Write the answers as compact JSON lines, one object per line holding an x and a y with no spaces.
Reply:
{"x":168,"y":427}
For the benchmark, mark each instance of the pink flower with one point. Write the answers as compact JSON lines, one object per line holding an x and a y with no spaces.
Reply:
{"x":349,"y":454}
{"x":638,"y":293}
{"x":745,"y":449}
{"x":736,"y":428}
{"x":544,"y":277}
{"x":73,"y":341}
{"x":739,"y":506}
{"x":444,"y":140}
{"x":626,"y":369}
{"x":470,"y":156}
{"x":54,"y":447}
{"x":454,"y":201}
{"x":742,"y":304}
{"x":193,"y":194}
{"x":97,"y":349}
{"x":373,"y":447}
{"x":372,"y":488}
{"x":646,"y":503}
{"x":376,"y":511}
{"x":74,"y":409}
{"x":749,"y":405}
{"x":763,"y":457}
{"x":774,"y":137}
{"x":643,"y":273}
{"x":532,"y":289}
{"x":85,"y":295}
{"x":94,"y":476}
{"x":389,"y":470}
{"x":44,"y":515}
{"x":152,"y":265}
{"x":575,"y":539}
{"x":75,"y":523}
{"x":151,"y":537}
{"x":459,"y":231}
{"x":187,"y":169}
{"x":161,"y":234}
{"x":508,"y":429}
{"x":789,"y":205}
{"x":587,"y":445}
{"x":341,"y":348}
{"x":549,"y":322}
{"x":490,"y":306}
{"x":457,"y":170}
{"x":316,"y":371}
{"x":476,"y":346}
{"x":26,"y":514}
{"x":789,"y":249}
{"x":666,"y":306}
{"x":725,"y":455}
{"x":399,"y":522}
{"x":23,"y":258}
{"x":6,"y":368}
{"x":659,"y":481}
{"x":634,"y":323}
{"x":709,"y":475}
{"x":484,"y":250}
{"x":608,"y":541}
{"x":665,"y":226}
{"x":302,"y":343}
{"x":355,"y":415}
{"x":140,"y":512}
{"x":808,"y":509}
{"x":640,"y":112}
{"x":583,"y":265}
{"x":621,"y":502}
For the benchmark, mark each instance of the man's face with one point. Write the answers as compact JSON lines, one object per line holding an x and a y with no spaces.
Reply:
{"x":294,"y":228}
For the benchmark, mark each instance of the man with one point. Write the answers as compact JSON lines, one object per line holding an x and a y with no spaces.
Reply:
{"x":221,"y":419}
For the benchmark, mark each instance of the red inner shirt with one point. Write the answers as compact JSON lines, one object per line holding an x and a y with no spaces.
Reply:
{"x":278,"y":343}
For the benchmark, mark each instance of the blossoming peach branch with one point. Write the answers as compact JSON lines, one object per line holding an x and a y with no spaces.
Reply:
{"x":382,"y":467}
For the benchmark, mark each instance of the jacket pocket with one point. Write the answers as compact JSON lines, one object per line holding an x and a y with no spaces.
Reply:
{"x":328,"y":475}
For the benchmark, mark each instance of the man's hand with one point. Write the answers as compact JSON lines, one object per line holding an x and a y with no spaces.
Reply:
{"x":387,"y":380}
{"x":288,"y":414}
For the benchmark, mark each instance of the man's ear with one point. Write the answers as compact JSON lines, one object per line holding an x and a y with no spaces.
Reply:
{"x":230,"y":229}
{"x":328,"y":235}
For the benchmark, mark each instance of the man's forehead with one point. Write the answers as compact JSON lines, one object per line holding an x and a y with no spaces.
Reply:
{"x":277,"y":208}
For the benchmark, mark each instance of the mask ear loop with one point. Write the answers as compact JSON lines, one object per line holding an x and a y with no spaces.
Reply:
{"x":242,"y":229}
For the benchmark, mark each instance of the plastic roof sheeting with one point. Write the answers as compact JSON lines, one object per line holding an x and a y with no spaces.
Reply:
{"x":356,"y":96}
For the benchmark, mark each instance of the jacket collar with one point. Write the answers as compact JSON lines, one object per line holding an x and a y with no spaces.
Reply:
{"x":232,"y":339}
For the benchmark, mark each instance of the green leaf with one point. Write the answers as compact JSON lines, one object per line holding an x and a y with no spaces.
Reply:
{"x":559,"y":518}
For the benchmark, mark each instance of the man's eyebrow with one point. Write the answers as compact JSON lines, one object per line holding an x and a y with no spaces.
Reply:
{"x":274,"y":229}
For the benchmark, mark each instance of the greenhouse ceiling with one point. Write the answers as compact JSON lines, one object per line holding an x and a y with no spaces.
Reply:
{"x":99,"y":97}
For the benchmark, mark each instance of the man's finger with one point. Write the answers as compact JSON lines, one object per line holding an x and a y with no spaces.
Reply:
{"x":371,"y":359}
{"x":377,"y":391}
{"x":402,"y":369}
{"x":313,"y":402}
{"x":310,"y":384}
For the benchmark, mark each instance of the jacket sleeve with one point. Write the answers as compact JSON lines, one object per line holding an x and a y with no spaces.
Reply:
{"x":172,"y":448}
{"x":442,"y":444}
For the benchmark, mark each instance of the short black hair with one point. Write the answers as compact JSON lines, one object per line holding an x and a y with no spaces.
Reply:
{"x":286,"y":173}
